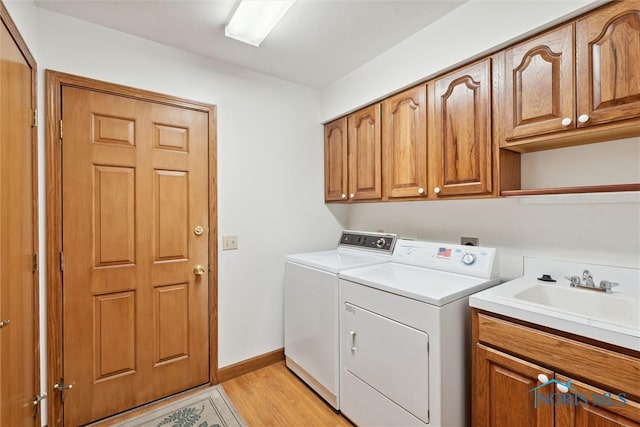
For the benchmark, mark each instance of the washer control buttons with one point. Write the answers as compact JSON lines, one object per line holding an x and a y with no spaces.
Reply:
{"x":380,"y":242}
{"x":468,"y":259}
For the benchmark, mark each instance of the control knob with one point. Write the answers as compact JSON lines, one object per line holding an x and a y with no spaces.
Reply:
{"x":468,"y":259}
{"x":380,"y":242}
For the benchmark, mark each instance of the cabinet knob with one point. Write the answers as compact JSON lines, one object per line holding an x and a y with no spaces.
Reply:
{"x":344,"y":196}
{"x":583,"y":118}
{"x":436,"y":190}
{"x":353,"y":196}
{"x":420,"y":190}
{"x":562,"y":388}
{"x":566,"y":121}
{"x":543,"y":378}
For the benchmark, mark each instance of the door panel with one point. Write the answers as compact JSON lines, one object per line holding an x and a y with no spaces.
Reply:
{"x":335,"y":160}
{"x":365,"y":163}
{"x":460,"y":132}
{"x":136,"y":187}
{"x":586,"y":405}
{"x":19,"y":352}
{"x":539,"y":84}
{"x":388,"y":355}
{"x":404,"y":142}
{"x":503,"y":395}
{"x":607,"y":56}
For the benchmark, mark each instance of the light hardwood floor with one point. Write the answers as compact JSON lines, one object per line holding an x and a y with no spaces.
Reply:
{"x":273,"y":396}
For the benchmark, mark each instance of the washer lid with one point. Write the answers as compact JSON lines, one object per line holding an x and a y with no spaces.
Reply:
{"x":422,"y":284}
{"x":336,"y":260}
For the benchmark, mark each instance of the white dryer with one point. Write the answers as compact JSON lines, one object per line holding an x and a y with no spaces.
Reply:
{"x":311,"y":315}
{"x":405,"y":335}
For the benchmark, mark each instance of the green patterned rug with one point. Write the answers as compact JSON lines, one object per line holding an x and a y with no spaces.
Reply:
{"x":208,"y":408}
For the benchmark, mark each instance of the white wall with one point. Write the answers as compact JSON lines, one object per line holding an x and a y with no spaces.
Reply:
{"x":598,"y":228}
{"x":467,"y":32}
{"x":270,"y":169}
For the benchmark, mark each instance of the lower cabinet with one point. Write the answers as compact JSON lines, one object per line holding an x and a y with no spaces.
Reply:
{"x":526,"y":377}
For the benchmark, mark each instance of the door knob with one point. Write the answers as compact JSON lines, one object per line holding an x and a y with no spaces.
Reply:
{"x":566,"y":121}
{"x":4,"y":323}
{"x":198,"y":270}
{"x":584,"y":118}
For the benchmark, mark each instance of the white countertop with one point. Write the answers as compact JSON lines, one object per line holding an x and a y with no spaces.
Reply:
{"x":621,"y":329}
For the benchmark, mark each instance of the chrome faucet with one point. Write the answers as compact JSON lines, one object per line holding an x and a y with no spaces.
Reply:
{"x":587,"y":283}
{"x":587,"y":278}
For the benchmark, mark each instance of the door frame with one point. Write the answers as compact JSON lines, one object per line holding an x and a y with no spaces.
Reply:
{"x":54,"y":82}
{"x":11,"y":27}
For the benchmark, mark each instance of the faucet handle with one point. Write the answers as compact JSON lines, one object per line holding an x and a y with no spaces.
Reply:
{"x":575,"y":280}
{"x":607,"y":285}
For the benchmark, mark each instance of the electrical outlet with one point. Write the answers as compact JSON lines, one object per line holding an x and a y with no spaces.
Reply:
{"x":229,"y":242}
{"x":470,"y":241}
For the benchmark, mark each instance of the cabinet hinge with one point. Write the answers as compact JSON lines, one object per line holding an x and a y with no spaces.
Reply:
{"x":60,"y":129}
{"x":36,"y":263}
{"x":36,"y":402}
{"x":61,"y":261}
{"x":34,"y":122}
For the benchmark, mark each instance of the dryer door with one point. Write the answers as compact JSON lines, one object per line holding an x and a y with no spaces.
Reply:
{"x":389,"y":356}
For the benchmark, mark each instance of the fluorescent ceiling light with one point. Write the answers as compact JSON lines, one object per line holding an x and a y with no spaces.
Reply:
{"x":253,"y":20}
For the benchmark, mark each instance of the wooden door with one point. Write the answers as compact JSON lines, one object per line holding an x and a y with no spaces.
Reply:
{"x":135,"y":314}
{"x":335,"y":160}
{"x":591,"y":406}
{"x":19,"y":349}
{"x":404,"y":144}
{"x":364,"y":149}
{"x":607,"y":58}
{"x":460,"y":132}
{"x":539,"y":85}
{"x":502,"y":391}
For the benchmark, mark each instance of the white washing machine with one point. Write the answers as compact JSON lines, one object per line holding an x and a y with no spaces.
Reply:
{"x":405,"y":335}
{"x":311,"y":314}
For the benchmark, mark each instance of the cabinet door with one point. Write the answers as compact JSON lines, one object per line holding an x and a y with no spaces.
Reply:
{"x":608,"y":64}
{"x":335,"y":160}
{"x":460,"y":132}
{"x":404,"y":142}
{"x":364,"y":154}
{"x":507,"y":392}
{"x":539,"y":85}
{"x":584,"y":405}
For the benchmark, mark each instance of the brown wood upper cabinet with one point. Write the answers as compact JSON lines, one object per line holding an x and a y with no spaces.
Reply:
{"x":365,"y":146}
{"x":352,"y":149}
{"x":539,"y":85}
{"x":608,"y":64}
{"x":460,"y":141}
{"x":335,"y":160}
{"x":404,"y":144}
{"x":552,"y":100}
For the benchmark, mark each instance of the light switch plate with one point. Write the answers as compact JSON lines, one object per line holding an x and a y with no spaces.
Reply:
{"x":229,"y":242}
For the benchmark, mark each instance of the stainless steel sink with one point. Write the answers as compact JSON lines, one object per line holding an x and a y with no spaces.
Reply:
{"x":585,"y":303}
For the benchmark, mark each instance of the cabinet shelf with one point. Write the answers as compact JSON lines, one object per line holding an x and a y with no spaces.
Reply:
{"x":571,"y":190}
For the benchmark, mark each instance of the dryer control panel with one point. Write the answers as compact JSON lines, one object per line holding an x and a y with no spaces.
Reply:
{"x":469,"y":260}
{"x":378,"y":242}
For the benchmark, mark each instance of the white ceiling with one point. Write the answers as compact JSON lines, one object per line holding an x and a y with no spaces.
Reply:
{"x":316,"y":43}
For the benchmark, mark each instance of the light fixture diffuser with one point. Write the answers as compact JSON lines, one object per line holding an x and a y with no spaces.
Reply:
{"x":253,"y":20}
